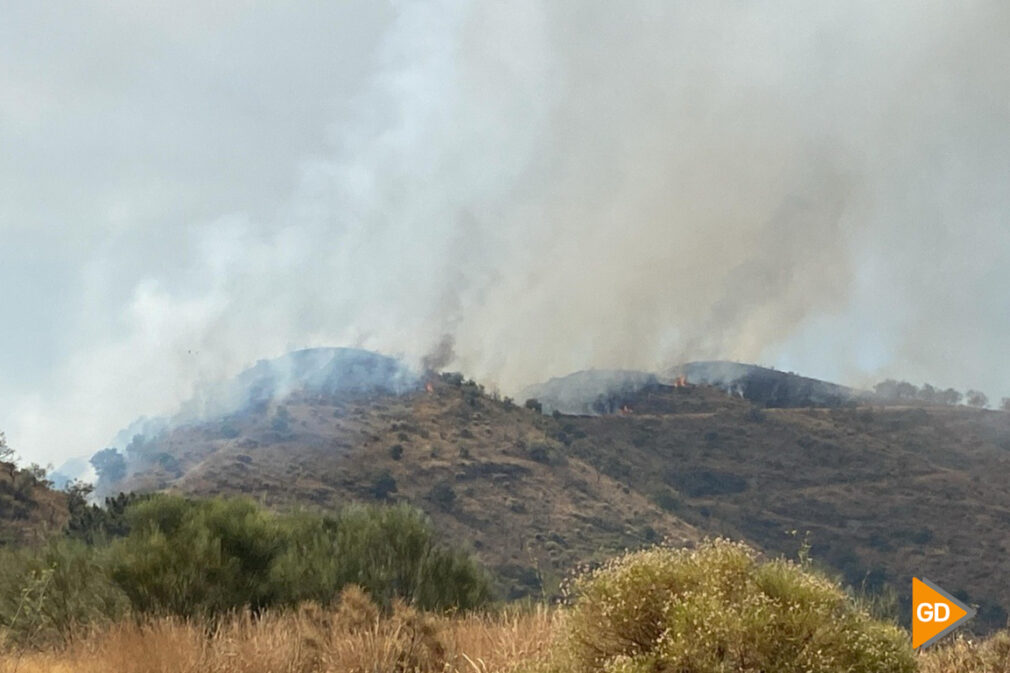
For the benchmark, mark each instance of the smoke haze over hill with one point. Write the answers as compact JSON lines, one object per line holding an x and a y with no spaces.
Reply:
{"x":554,"y":185}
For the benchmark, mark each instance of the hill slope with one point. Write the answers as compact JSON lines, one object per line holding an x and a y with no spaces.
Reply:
{"x":29,"y":509}
{"x":768,"y":387}
{"x":492,"y":475}
{"x":882,"y":492}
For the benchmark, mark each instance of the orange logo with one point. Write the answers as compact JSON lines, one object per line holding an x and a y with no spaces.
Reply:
{"x":935,"y":613}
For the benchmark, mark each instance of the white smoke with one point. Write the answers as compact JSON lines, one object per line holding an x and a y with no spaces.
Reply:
{"x":568,"y":184}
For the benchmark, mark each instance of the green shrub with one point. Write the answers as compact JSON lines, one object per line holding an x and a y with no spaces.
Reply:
{"x":46,"y":592}
{"x":170,"y":555}
{"x":93,"y":524}
{"x":390,"y":552}
{"x":197,"y":557}
{"x":720,"y":608}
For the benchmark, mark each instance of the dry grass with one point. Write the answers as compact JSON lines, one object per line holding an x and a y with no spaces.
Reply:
{"x":350,"y":639}
{"x":354,"y":638}
{"x":964,"y":655}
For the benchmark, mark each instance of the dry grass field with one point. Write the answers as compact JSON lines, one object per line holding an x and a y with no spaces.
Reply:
{"x":314,"y":641}
{"x":353,"y":638}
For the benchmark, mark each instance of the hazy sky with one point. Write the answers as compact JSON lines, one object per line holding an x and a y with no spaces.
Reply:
{"x":186,"y":187}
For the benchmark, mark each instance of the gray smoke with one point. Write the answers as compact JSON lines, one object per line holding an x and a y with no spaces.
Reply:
{"x":441,"y":355}
{"x":569,"y":184}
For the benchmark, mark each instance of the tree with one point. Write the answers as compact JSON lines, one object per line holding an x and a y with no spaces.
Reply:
{"x":533,"y":404}
{"x":927,"y":393}
{"x":7,"y":456}
{"x":906,"y":391}
{"x":110,"y":465}
{"x":887,"y":389}
{"x":896,"y":390}
{"x":1005,"y":404}
{"x":977,"y":399}
{"x":950,"y":397}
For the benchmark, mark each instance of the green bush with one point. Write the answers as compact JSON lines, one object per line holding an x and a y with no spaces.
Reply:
{"x":206,"y":557}
{"x":720,"y":608}
{"x":391,"y":552}
{"x":197,"y":557}
{"x":46,"y":592}
{"x":170,"y":555}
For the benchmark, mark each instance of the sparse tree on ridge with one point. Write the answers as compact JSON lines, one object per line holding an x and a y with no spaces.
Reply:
{"x":977,"y":399}
{"x":950,"y":397}
{"x":907,"y":391}
{"x":888,"y":389}
{"x":7,"y":456}
{"x":896,"y":390}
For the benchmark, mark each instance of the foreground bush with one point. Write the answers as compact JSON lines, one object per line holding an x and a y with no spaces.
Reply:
{"x":207,"y":558}
{"x":198,"y":557}
{"x":720,"y":608}
{"x":46,"y":594}
{"x":389,"y":551}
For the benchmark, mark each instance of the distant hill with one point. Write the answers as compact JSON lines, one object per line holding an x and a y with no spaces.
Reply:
{"x":29,"y":509}
{"x":603,"y":391}
{"x":768,"y":387}
{"x":594,"y":391}
{"x":881,"y":492}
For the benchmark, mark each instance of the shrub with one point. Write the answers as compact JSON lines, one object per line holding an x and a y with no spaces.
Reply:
{"x":190,"y":558}
{"x":540,"y":453}
{"x":383,"y":484}
{"x":208,"y":558}
{"x":721,"y":608}
{"x":46,"y":592}
{"x":442,"y":494}
{"x":452,"y":378}
{"x":390,"y":552}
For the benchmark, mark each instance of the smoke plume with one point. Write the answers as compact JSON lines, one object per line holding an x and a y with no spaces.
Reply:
{"x":568,"y":184}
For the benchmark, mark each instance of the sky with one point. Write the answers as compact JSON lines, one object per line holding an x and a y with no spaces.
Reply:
{"x":187,"y":187}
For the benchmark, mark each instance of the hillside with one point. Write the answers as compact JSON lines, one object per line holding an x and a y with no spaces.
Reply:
{"x":768,"y":387}
{"x":29,"y":509}
{"x":881,"y":492}
{"x":492,"y":475}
